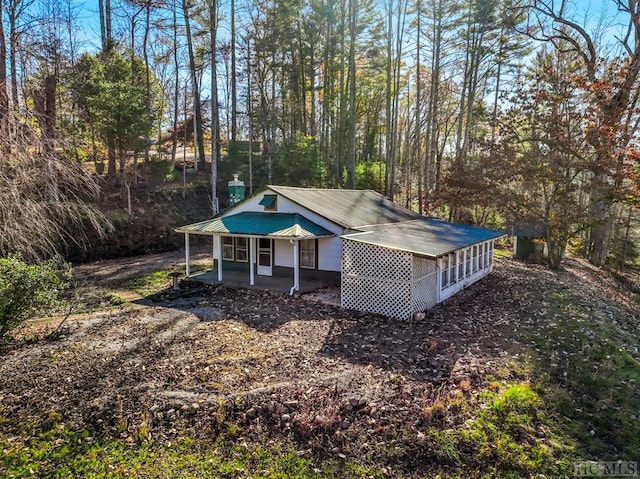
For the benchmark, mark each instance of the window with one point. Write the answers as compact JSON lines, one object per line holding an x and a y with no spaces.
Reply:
{"x":308,"y":254}
{"x":453,"y":264}
{"x":486,"y":255}
{"x":467,"y":252}
{"x":481,"y":257}
{"x":475,"y":258}
{"x":227,"y":248}
{"x":445,"y":272}
{"x":270,"y":202}
{"x":241,"y":250}
{"x":449,"y":265}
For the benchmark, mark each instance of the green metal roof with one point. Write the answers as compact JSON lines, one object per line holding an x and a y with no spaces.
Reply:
{"x":347,"y":208}
{"x":280,"y":225}
{"x":425,"y":237}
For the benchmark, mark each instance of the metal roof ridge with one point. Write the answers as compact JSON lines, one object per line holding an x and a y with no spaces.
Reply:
{"x":305,"y":188}
{"x":357,"y":233}
{"x":389,"y":223}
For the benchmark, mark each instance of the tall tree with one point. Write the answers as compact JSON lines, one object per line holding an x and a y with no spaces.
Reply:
{"x":351,"y":79}
{"x":537,"y":170}
{"x":234,"y":73}
{"x":195,"y":86}
{"x":610,"y":85}
{"x":4,"y":98}
{"x":215,"y":111}
{"x":110,"y":89}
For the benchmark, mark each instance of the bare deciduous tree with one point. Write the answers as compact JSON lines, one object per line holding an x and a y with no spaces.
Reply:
{"x":37,"y":221}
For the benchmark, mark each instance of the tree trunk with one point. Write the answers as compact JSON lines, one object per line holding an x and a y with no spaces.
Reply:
{"x":250,"y":118}
{"x":147,"y":79}
{"x":111,"y":154}
{"x":351,"y":155}
{"x":600,"y":213}
{"x":418,"y":126}
{"x":4,"y":99}
{"x":389,"y":161}
{"x":342,"y":100}
{"x":234,"y":82}
{"x":197,"y":111}
{"x":103,"y":25}
{"x":13,"y":51}
{"x":176,"y":90}
{"x":108,"y":23}
{"x":215,"y":115}
{"x":45,"y":107}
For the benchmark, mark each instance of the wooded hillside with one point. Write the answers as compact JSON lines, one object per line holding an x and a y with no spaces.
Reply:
{"x":484,"y":111}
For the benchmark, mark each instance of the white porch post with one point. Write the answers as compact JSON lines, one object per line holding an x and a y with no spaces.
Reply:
{"x":464,"y":262}
{"x":457,"y":265}
{"x":296,"y":265}
{"x":186,"y":253}
{"x":252,"y":261}
{"x":213,"y":251}
{"x":439,"y":279}
{"x":219,"y":241}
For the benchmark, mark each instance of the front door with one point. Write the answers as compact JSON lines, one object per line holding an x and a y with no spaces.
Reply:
{"x":264,"y":256}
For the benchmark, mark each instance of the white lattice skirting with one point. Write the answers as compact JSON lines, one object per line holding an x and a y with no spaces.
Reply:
{"x":385,"y":281}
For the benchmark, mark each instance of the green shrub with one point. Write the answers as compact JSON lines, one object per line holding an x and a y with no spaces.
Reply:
{"x":25,"y":289}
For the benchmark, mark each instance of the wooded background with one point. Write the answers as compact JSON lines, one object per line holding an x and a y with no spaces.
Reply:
{"x":497,"y":113}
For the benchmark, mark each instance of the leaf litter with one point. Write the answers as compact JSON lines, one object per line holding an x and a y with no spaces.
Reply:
{"x":331,"y":381}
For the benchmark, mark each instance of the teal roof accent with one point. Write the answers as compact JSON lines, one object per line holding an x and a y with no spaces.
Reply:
{"x":347,"y":208}
{"x":425,"y":237}
{"x":268,"y":200}
{"x":249,"y":223}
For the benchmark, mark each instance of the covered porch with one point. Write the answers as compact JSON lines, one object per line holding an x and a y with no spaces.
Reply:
{"x":238,"y":279}
{"x":244,"y":250}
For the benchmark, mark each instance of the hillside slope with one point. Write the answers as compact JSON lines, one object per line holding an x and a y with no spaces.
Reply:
{"x":523,"y":373}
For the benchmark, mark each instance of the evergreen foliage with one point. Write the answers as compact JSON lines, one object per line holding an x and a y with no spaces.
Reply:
{"x":26,"y":289}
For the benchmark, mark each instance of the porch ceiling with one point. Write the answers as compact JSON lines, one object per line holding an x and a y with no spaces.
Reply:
{"x":249,"y":223}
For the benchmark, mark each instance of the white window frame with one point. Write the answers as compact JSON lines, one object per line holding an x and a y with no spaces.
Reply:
{"x":475,"y":258}
{"x":304,"y":248}
{"x":444,"y":272}
{"x":491,"y":247}
{"x":228,"y":246}
{"x":486,"y":254}
{"x":242,"y":249}
{"x":453,"y":265}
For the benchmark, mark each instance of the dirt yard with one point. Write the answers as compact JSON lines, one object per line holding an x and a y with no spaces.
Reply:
{"x":328,"y":379}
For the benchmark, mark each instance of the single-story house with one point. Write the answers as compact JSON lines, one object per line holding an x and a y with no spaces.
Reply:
{"x":387,"y":259}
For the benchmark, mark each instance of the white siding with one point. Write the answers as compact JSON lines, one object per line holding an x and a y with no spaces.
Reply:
{"x":283,"y":253}
{"x":284,"y":206}
{"x":250,"y":204}
{"x":329,"y":251}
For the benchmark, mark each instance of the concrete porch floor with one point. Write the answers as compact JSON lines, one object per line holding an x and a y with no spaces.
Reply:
{"x":237,"y":279}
